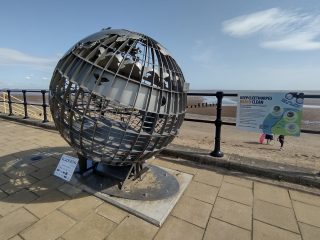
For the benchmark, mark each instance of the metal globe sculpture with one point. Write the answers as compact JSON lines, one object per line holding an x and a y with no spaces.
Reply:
{"x":118,"y":97}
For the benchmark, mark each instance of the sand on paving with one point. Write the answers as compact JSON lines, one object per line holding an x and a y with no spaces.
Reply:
{"x":303,"y":151}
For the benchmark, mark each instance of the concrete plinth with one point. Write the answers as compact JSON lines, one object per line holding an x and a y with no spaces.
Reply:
{"x":155,"y":211}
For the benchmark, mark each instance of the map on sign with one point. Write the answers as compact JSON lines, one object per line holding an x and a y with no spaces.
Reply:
{"x":66,"y":167}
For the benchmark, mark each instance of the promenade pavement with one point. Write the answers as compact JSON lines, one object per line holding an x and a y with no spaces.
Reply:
{"x":34,"y":204}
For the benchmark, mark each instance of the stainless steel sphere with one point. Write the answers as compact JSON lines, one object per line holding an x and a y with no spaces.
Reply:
{"x":118,"y":97}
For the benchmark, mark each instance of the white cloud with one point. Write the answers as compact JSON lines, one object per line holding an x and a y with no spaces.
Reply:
{"x":44,"y":78}
{"x":14,"y":57}
{"x":279,"y":29}
{"x":294,"y":42}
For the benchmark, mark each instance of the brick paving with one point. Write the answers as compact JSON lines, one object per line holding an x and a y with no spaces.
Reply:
{"x":36,"y":205}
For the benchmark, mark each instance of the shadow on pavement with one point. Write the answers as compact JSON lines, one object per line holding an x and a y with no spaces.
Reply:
{"x":28,"y":175}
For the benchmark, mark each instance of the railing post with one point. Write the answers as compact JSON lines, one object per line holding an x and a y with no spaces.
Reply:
{"x":217,"y":152}
{"x":4,"y":102}
{"x":9,"y":102}
{"x":44,"y":105}
{"x":25,"y":104}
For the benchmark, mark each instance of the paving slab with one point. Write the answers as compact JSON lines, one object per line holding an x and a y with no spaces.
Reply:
{"x":208,"y":177}
{"x":184,"y":168}
{"x":43,"y":172}
{"x":3,"y":179}
{"x":229,"y":211}
{"x":275,"y":215}
{"x":15,"y":201}
{"x":46,"y":162}
{"x":272,"y":194}
{"x":46,"y":185}
{"x":50,"y":227}
{"x":238,"y":181}
{"x":175,"y":228}
{"x":224,"y":231}
{"x":15,"y":222}
{"x":162,"y":163}
{"x":236,"y":193}
{"x":2,"y":194}
{"x":69,"y":190}
{"x":15,"y":185}
{"x":8,"y":162}
{"x":305,"y":197}
{"x":20,"y":172}
{"x":47,"y":203}
{"x":307,"y":213}
{"x":17,"y":237}
{"x":193,"y":211}
{"x":309,"y":232}
{"x":133,"y":228}
{"x":93,"y":227}
{"x":111,"y":212}
{"x":203,"y":192}
{"x":81,"y":206}
{"x":263,"y":231}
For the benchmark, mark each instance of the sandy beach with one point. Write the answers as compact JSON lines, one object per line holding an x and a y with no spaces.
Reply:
{"x":300,"y":151}
{"x":310,"y":116}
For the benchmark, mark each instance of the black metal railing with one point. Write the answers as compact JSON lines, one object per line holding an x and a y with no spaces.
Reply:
{"x":218,"y":120}
{"x":11,"y":97}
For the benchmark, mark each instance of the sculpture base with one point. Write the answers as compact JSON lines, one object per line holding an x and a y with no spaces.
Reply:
{"x":154,"y":184}
{"x":155,"y":211}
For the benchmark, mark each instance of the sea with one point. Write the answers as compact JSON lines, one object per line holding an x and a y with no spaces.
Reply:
{"x":232,"y":101}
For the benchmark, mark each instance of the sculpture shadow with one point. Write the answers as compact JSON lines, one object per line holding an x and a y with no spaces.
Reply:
{"x":27,"y":176}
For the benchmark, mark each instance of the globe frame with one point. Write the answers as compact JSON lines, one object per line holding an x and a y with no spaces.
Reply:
{"x":118,"y":97}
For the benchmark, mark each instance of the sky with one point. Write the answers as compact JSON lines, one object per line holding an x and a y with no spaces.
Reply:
{"x":219,"y":45}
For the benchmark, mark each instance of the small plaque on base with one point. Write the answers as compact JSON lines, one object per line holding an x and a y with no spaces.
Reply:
{"x":66,"y":167}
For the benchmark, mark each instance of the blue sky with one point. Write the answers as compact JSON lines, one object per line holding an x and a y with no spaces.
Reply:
{"x":233,"y":45}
